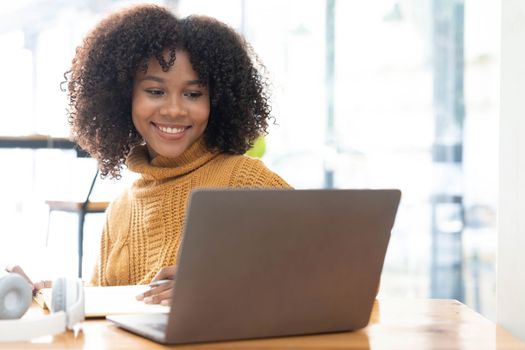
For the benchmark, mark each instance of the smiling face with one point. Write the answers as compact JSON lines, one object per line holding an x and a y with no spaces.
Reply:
{"x":170,"y":109}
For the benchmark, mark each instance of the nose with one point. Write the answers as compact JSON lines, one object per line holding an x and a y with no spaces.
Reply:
{"x":173,"y":107}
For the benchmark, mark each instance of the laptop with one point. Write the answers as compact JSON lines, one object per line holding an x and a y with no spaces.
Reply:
{"x":268,"y":263}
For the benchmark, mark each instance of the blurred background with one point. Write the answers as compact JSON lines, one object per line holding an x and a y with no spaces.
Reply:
{"x":383,"y":94}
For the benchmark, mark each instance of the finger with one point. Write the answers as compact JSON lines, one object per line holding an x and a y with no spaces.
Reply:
{"x":143,"y":295}
{"x":42,"y":284}
{"x":153,"y":291}
{"x":156,"y":294}
{"x":165,"y":273}
{"x":158,"y":298}
{"x":18,"y":270}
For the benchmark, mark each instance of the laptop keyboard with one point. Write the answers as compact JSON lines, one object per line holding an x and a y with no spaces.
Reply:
{"x":161,"y":327}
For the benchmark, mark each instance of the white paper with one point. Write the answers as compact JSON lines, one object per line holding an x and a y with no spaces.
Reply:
{"x":102,"y":301}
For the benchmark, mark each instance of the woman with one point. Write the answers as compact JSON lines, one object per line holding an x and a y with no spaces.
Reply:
{"x":178,"y":101}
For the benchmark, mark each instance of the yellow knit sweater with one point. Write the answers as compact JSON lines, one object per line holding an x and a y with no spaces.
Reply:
{"x":144,"y":225}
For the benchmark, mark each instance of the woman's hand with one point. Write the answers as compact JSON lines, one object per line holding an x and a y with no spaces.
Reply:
{"x":35,"y":286}
{"x":160,"y":292}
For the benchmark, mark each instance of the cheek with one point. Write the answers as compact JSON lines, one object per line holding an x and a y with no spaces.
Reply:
{"x":139,"y":108}
{"x":139,"y":115}
{"x":134,"y":116}
{"x":204,"y":113}
{"x":134,"y":106}
{"x":203,"y":118}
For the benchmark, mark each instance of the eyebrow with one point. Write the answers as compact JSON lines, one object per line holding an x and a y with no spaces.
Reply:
{"x":161,"y":80}
{"x":153,"y":78}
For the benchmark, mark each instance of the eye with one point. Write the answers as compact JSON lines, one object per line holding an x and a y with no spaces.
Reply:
{"x":193,"y":94}
{"x":155,"y":92}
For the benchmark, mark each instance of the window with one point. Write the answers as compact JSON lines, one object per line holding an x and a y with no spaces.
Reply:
{"x":389,"y":93}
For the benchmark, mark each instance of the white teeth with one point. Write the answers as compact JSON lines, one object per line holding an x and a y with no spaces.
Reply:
{"x":169,"y":130}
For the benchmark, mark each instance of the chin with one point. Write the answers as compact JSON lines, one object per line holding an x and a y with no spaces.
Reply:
{"x":171,"y":153}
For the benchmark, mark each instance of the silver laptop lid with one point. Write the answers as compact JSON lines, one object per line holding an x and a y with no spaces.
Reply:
{"x":261,"y":263}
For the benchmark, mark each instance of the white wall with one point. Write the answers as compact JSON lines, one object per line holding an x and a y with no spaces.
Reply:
{"x":511,"y":238}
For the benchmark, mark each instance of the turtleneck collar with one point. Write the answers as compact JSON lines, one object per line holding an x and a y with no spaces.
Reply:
{"x":160,"y":167}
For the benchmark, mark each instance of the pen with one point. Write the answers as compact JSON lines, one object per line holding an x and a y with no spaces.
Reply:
{"x":159,"y":283}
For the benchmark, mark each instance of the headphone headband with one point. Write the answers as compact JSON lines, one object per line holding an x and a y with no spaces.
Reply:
{"x":69,"y":294}
{"x":27,"y":329}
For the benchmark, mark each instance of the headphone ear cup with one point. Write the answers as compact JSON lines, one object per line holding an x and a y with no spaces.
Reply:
{"x":15,"y":296}
{"x":68,"y":296}
{"x":59,"y":296}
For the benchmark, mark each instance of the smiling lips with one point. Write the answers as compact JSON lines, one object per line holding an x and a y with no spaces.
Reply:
{"x":171,"y":130}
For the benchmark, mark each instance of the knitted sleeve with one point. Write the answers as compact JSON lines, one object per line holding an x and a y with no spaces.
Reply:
{"x":250,"y":172}
{"x":93,"y":282}
{"x":97,"y":274}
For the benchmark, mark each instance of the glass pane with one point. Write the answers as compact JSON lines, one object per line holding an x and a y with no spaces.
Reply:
{"x":373,"y":123}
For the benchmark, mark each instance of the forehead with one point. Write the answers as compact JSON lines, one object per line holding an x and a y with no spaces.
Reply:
{"x":181,"y":65}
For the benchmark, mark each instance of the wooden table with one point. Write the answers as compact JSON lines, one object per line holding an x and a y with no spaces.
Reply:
{"x":394,"y":324}
{"x":40,"y":142}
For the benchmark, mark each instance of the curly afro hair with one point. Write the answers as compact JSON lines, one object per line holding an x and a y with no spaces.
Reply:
{"x":100,"y":81}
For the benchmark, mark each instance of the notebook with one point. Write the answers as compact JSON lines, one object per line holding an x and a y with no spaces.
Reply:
{"x":267,"y":263}
{"x":102,"y":301}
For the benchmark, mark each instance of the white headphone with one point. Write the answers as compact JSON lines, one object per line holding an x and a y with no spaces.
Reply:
{"x":16,"y":297}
